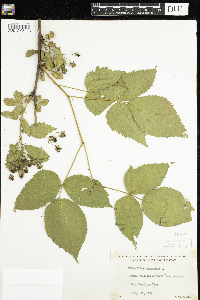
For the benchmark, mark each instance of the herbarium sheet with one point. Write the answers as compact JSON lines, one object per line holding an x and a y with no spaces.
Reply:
{"x":99,"y":160}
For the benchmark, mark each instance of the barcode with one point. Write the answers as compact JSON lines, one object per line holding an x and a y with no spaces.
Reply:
{"x":19,"y":27}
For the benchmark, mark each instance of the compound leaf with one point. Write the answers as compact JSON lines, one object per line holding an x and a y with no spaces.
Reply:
{"x":120,"y":119}
{"x":156,"y":116}
{"x":145,"y":178}
{"x":39,"y":191}
{"x":82,"y":190}
{"x":66,"y":225}
{"x":167,"y":207}
{"x":57,"y":74}
{"x":96,"y":105}
{"x":10,"y":102}
{"x":129,"y":217}
{"x":31,"y":52}
{"x":102,"y":78}
{"x":37,"y":153}
{"x":41,"y":130}
{"x":138,"y":82}
{"x":25,"y":126}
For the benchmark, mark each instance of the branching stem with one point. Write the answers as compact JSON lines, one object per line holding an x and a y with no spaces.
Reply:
{"x":43,"y":69}
{"x":20,"y":128}
{"x":59,"y":86}
{"x":38,"y":68}
{"x":71,"y":165}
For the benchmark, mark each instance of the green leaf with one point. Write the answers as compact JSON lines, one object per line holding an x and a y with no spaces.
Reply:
{"x":57,"y":74}
{"x":49,"y":64}
{"x":38,"y":108}
{"x":39,"y":191}
{"x":57,"y":51}
{"x":31,"y":52}
{"x":145,"y":178}
{"x":14,"y":147}
{"x":66,"y":225}
{"x":97,"y":106}
{"x":120,"y":119}
{"x":129,"y":217}
{"x":102,"y":78}
{"x":82,"y":190}
{"x":44,"y":102}
{"x":138,"y":82}
{"x":41,"y":130}
{"x":113,"y":92}
{"x":167,"y":207}
{"x":25,"y":126}
{"x":18,"y":96}
{"x":121,"y":83}
{"x":50,"y":35}
{"x":17,"y":110}
{"x":38,"y":98}
{"x":37,"y":153}
{"x":47,"y":55}
{"x":13,"y":154}
{"x":59,"y":61}
{"x":9,"y":114}
{"x":42,"y":77}
{"x":10,"y":102}
{"x":156,"y":116}
{"x":52,"y":44}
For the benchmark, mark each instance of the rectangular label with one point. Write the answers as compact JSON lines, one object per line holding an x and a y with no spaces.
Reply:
{"x":175,"y":244}
{"x":23,"y":27}
{"x":32,"y":284}
{"x":153,"y":275}
{"x":176,"y":9}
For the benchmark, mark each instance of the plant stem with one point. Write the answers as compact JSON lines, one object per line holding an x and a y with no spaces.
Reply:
{"x":38,"y":68}
{"x":100,"y":99}
{"x":88,"y":161}
{"x":20,"y":128}
{"x":59,"y":86}
{"x":111,"y":188}
{"x":75,"y":121}
{"x":72,"y":163}
{"x":43,"y":69}
{"x":70,"y":168}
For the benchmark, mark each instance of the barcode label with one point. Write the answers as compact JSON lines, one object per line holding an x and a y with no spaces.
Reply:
{"x":24,"y":27}
{"x":176,"y":9}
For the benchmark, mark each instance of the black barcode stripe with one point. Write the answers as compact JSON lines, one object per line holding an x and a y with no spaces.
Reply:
{"x":19,"y":27}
